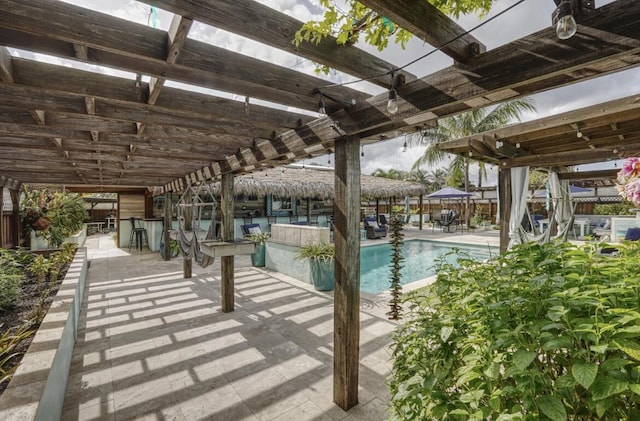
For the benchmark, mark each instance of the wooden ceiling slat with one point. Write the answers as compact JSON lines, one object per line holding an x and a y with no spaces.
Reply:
{"x":142,"y":49}
{"x":428,"y":23}
{"x":268,"y":26}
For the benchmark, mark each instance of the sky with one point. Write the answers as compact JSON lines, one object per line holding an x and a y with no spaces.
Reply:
{"x":524,"y":19}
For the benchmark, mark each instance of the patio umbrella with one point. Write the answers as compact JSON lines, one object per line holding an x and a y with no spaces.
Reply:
{"x":448,"y":193}
{"x":573,"y":189}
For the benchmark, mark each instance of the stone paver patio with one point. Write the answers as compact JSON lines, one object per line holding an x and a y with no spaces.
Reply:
{"x":153,"y":345}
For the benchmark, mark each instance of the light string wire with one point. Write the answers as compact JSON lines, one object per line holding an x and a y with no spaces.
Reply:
{"x":454,"y":39}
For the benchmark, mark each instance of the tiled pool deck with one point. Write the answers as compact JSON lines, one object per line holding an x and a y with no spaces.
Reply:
{"x":153,"y":345}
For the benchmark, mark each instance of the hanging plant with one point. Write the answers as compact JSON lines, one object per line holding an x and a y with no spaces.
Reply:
{"x":397,"y":240}
{"x":629,"y":180}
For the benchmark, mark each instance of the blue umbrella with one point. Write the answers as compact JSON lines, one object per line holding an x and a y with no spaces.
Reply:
{"x":448,"y":193}
{"x":573,"y":189}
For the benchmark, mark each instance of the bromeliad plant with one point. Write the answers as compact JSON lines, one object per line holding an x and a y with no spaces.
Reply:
{"x":52,"y":215}
{"x":543,"y":332}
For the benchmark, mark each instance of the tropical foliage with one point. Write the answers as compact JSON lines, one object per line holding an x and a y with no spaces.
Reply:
{"x":317,"y":251}
{"x":52,"y":215}
{"x":543,"y":332}
{"x":348,"y":23}
{"x":462,"y":125}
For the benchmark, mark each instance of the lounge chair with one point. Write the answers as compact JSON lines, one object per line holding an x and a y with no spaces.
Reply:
{"x":373,"y":229}
{"x":249,"y":229}
{"x":447,"y":218}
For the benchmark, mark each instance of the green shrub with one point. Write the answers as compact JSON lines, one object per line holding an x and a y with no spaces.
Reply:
{"x":622,"y":208}
{"x":543,"y":332}
{"x":9,"y":289}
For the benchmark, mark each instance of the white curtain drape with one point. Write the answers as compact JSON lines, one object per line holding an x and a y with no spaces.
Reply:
{"x":561,"y":197}
{"x":519,"y":193}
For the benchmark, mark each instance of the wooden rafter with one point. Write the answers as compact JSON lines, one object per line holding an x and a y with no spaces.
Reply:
{"x":426,"y":22}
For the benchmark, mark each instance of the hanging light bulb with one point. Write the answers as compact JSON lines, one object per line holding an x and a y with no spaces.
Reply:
{"x":392,"y":104}
{"x":566,"y":25}
{"x":322,"y":110}
{"x":362,"y":151}
{"x":404,"y":146}
{"x":579,"y":133}
{"x":329,"y":160}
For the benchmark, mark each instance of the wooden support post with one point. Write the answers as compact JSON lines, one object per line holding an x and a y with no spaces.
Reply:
{"x":166,"y":238}
{"x":3,"y":228}
{"x":227,"y":262}
{"x":504,"y":182}
{"x":16,"y":225}
{"x":420,"y":204}
{"x":308,"y":211}
{"x":377,"y":210}
{"x":346,"y":319}
{"x":187,"y":263}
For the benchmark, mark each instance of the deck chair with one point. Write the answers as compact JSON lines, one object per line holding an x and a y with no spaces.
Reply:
{"x":250,"y":229}
{"x":447,"y":219}
{"x":382,"y":220}
{"x":373,"y":229}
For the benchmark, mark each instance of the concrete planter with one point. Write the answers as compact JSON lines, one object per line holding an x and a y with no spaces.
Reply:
{"x":322,"y":274}
{"x":37,"y":389}
{"x":258,"y":258}
{"x":39,"y":243}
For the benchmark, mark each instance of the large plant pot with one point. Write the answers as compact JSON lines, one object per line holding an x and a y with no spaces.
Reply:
{"x":258,"y":258}
{"x":322,"y":274}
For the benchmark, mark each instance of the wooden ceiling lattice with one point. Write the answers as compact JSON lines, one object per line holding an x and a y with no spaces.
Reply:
{"x":61,"y":125}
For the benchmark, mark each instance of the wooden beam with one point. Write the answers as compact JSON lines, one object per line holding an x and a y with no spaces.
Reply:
{"x":504,"y":190}
{"x":611,"y":174}
{"x":227,"y":262}
{"x":572,"y":157}
{"x":346,"y":335}
{"x":277,"y":30}
{"x":428,"y":23}
{"x":143,"y":50}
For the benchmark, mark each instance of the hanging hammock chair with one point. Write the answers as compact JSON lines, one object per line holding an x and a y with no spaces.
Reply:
{"x":190,"y":206}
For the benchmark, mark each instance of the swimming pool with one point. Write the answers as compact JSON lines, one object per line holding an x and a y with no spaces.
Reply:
{"x":419,"y":259}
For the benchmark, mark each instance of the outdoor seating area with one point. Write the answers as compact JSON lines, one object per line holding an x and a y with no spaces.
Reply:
{"x":182,"y":131}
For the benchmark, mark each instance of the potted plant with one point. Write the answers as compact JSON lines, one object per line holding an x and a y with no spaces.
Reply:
{"x":258,"y":258}
{"x":321,"y":256}
{"x":52,"y":216}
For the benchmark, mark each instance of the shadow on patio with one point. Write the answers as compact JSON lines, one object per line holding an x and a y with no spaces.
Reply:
{"x":156,"y":346}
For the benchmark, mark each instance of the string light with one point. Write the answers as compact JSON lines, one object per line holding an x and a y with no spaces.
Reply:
{"x":566,"y":25}
{"x":392,"y":103}
{"x":404,"y":146}
{"x":362,"y":151}
{"x":329,"y":159}
{"x":322,"y":109}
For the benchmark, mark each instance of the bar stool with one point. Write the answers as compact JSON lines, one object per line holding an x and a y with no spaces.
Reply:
{"x":139,"y":233}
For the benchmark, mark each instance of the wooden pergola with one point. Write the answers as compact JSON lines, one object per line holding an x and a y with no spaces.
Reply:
{"x":62,"y":125}
{"x":598,"y":133}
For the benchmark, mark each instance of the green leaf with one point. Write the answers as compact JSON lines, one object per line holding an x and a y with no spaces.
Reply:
{"x":630,"y":348}
{"x":552,"y":407}
{"x":445,"y":332}
{"x":584,"y":373}
{"x":605,"y":387}
{"x":522,"y":359}
{"x":558,"y":343}
{"x":635,"y":388}
{"x":614,"y":364}
{"x":602,"y":406}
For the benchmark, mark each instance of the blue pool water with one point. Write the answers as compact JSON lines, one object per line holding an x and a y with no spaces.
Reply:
{"x":419,"y":259}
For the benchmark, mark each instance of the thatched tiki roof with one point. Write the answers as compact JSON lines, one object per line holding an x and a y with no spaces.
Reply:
{"x":316,"y":183}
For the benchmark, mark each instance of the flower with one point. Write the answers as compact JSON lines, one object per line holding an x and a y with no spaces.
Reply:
{"x":629,"y":180}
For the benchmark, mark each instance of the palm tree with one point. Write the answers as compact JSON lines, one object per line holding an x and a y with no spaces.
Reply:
{"x":462,"y":125}
{"x":392,"y":174}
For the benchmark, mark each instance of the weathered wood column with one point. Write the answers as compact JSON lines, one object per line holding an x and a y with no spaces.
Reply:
{"x":187,"y":263}
{"x":16,"y":224}
{"x":346,"y":318}
{"x":504,"y":182}
{"x":166,"y":238}
{"x":3,"y":228}
{"x":420,"y":204}
{"x":227,"y":262}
